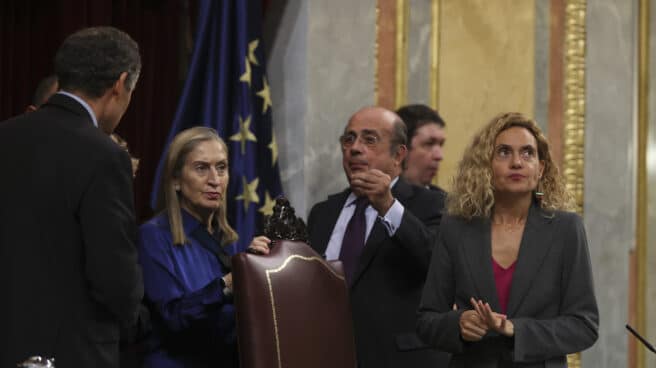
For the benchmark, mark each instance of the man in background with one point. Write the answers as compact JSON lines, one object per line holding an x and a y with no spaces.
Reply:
{"x":426,"y":139}
{"x":68,"y":264}
{"x":47,"y":87}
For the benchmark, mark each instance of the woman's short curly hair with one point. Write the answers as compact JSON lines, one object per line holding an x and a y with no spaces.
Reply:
{"x":472,"y":193}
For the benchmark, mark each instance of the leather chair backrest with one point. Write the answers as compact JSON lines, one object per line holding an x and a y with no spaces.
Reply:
{"x":292,"y":310}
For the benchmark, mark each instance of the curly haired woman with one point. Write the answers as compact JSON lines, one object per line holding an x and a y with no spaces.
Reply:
{"x":510,"y":282}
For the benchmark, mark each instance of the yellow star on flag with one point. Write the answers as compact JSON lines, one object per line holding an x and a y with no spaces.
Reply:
{"x":267,"y":208}
{"x":246,"y":77}
{"x":244,"y":134}
{"x":249,"y":193}
{"x":273,"y":146}
{"x":251,"y":51}
{"x":265,"y":93}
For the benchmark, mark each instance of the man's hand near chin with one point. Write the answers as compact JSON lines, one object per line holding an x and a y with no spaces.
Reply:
{"x":375,"y":185}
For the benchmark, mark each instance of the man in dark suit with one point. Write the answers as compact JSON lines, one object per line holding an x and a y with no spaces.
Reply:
{"x":426,"y":137}
{"x":69,"y":275}
{"x":400,"y":221}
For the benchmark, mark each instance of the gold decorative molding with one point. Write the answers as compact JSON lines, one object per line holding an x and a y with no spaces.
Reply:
{"x":273,"y":301}
{"x":574,"y":114}
{"x":401,"y":66}
{"x":642,"y":188}
{"x":434,"y":87}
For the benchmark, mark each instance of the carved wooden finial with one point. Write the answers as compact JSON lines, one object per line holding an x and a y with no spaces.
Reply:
{"x":283,"y":224}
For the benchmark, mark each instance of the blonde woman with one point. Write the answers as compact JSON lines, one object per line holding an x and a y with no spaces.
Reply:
{"x":510,"y":281}
{"x":186,"y":266}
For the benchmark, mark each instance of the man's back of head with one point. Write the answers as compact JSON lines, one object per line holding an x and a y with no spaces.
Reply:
{"x":100,"y":65}
{"x":91,"y":60}
{"x":426,"y":138}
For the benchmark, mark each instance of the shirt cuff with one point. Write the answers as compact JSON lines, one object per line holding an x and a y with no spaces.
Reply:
{"x":392,"y":219}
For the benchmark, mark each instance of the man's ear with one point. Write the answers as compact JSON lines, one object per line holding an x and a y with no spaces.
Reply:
{"x":120,"y":86}
{"x":401,"y":153}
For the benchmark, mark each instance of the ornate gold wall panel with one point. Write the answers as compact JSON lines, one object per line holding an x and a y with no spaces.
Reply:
{"x":574,"y":116}
{"x":401,"y":72}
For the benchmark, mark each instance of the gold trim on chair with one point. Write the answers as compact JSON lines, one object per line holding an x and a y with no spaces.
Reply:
{"x":574,"y":115}
{"x":271,"y":297}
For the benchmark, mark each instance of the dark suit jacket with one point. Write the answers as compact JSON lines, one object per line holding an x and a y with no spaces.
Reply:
{"x":552,"y":303}
{"x":437,"y":189}
{"x":389,"y":279}
{"x":68,"y":261}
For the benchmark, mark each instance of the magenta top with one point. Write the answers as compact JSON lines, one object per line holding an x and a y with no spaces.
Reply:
{"x":503,"y":280}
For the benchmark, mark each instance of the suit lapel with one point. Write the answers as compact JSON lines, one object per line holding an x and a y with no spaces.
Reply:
{"x":329,"y":218}
{"x":477,"y":248}
{"x":402,"y":191}
{"x":535,"y":244}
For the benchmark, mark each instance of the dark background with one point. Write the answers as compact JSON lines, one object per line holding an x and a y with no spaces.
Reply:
{"x":31,"y":31}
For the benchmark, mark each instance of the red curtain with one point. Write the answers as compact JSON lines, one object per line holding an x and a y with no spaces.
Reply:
{"x":32,"y":30}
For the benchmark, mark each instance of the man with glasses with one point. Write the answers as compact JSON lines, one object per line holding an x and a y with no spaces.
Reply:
{"x":383,"y":230}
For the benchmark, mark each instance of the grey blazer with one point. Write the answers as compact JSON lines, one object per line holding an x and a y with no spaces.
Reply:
{"x":552,"y":303}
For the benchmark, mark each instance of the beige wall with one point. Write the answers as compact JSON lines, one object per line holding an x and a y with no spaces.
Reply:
{"x":486,"y":66}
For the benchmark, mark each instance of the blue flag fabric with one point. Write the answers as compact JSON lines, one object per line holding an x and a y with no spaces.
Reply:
{"x":226,"y":89}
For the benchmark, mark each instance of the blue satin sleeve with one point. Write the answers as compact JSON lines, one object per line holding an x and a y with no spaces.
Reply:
{"x":182,"y":282}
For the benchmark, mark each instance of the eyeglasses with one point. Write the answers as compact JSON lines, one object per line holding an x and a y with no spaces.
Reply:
{"x":368,"y":139}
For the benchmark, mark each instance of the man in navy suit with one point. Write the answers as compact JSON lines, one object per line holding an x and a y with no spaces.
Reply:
{"x":68,"y":264}
{"x":402,"y":222}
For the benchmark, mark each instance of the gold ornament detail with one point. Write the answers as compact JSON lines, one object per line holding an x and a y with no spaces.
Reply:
{"x":574,"y":114}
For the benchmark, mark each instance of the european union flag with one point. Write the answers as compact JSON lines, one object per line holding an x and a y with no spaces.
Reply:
{"x":226,"y":89}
